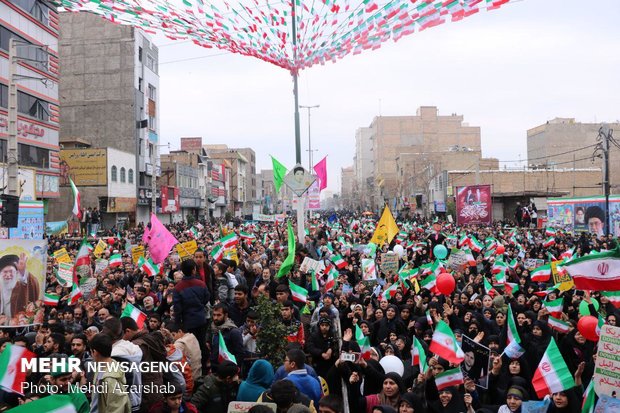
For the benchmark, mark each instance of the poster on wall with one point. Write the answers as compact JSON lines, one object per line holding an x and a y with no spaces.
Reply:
{"x":30,"y":223}
{"x":584,"y":214}
{"x":473,"y":205}
{"x":23,"y":264}
{"x":314,"y":196}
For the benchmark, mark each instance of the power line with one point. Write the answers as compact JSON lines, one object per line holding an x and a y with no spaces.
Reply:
{"x":554,"y":155}
{"x":193,"y":58}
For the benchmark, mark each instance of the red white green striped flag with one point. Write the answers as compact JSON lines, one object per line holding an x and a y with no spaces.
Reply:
{"x":82,"y":266}
{"x":549,"y":242}
{"x":429,"y":319}
{"x":149,"y":267}
{"x":77,"y":201}
{"x":76,"y":293}
{"x":55,"y":403}
{"x":589,"y":399}
{"x":314,"y":281}
{"x":418,"y":355}
{"x":511,"y":327}
{"x":332,"y":276}
{"x":300,"y":294}
{"x":600,"y":272}
{"x":132,"y":312}
{"x":363,"y":342}
{"x":390,"y":292}
{"x":476,"y":245}
{"x":555,"y":307}
{"x":513,"y":264}
{"x":51,"y":300}
{"x":449,"y":378}
{"x":217,"y":253}
{"x":339,"y":261}
{"x":559,"y":325}
{"x":549,"y":232}
{"x":116,"y":260}
{"x":511,"y":288}
{"x":552,"y":374}
{"x":223,"y":353}
{"x":429,"y":283}
{"x":541,"y":274}
{"x":613,"y":297}
{"x":471,"y":261}
{"x":444,"y":344}
{"x":11,"y":374}
{"x":230,"y":240}
{"x":246,"y":236}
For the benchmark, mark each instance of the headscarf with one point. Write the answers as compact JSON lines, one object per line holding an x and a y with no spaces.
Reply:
{"x":393,"y":401}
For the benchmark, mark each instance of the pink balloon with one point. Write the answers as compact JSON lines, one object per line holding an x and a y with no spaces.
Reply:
{"x":587,"y":327}
{"x":445,"y":283}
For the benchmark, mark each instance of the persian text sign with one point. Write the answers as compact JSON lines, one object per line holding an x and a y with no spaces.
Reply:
{"x":607,"y":369}
{"x":473,"y":205}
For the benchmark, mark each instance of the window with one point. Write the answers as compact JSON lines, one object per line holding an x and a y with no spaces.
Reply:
{"x":140,"y":82}
{"x":130,"y":176}
{"x":4,"y":96}
{"x":34,"y":8}
{"x":33,"y":156}
{"x":123,"y":175}
{"x":114,"y":173}
{"x":32,"y":106}
{"x":140,"y":54}
{"x":152,"y":92}
{"x":37,"y":57}
{"x":152,"y":123}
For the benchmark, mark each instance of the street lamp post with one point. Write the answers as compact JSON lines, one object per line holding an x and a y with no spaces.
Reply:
{"x":309,"y":136}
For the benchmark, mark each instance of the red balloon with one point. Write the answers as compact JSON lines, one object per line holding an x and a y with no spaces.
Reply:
{"x":111,"y":241}
{"x":587,"y":327}
{"x":500,"y":249}
{"x":445,"y":283}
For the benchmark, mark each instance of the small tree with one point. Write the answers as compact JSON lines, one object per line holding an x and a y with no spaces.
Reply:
{"x":271,"y":339}
{"x":191,"y":219}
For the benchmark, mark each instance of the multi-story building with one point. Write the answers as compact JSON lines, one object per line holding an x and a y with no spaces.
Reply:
{"x":347,"y":187}
{"x":218,"y":173}
{"x":563,"y":143}
{"x":34,"y":26}
{"x":182,"y":170}
{"x":250,"y":177}
{"x":110,"y":94}
{"x":267,"y":193}
{"x":363,"y":166}
{"x":239,"y":203}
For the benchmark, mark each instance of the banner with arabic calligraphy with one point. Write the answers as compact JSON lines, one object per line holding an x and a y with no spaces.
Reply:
{"x":607,"y":369}
{"x":87,"y":167}
{"x":474,"y":205}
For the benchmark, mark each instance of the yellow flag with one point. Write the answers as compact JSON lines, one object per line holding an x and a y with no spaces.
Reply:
{"x":386,"y":228}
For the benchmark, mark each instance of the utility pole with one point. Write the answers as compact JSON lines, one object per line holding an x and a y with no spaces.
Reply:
{"x":606,"y":135}
{"x":12,"y":160}
{"x":310,"y":150}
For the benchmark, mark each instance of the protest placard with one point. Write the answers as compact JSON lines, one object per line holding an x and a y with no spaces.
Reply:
{"x":531,"y":263}
{"x":389,"y":263}
{"x":243,"y":407}
{"x":607,"y":368}
{"x":100,"y":248}
{"x":65,"y":274}
{"x":369,"y":270}
{"x":136,"y":253}
{"x":186,"y":249}
{"x":457,"y":259}
{"x":476,"y":363}
{"x":62,"y":255}
{"x":101,"y":265}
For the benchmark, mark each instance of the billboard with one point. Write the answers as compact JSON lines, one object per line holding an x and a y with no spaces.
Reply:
{"x":30,"y":223}
{"x":87,"y":167}
{"x":474,"y":205}
{"x":191,"y":144}
{"x":23,"y":264}
{"x":584,"y":214}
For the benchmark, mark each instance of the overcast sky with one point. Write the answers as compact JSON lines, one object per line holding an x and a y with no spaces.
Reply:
{"x":506,"y":71}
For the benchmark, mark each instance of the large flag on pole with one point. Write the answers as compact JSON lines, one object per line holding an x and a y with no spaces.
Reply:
{"x":11,"y":374}
{"x":386,"y":228}
{"x":600,"y":272}
{"x":159,"y":240}
{"x":552,"y":374}
{"x":77,"y":201}
{"x":321,"y":172}
{"x":279,"y":172}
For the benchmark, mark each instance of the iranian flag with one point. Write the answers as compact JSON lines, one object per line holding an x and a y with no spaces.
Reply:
{"x":501,"y":277}
{"x":549,"y":242}
{"x":463,"y":241}
{"x":55,"y":403}
{"x":300,"y":294}
{"x":476,"y":245}
{"x":513,"y":264}
{"x":600,"y":272}
{"x":217,"y":253}
{"x":552,"y":374}
{"x":449,"y":378}
{"x":339,"y":262}
{"x":444,"y":344}
{"x":541,"y":274}
{"x":512,"y":334}
{"x":390,"y":292}
{"x":246,"y":236}
{"x":471,"y":261}
{"x":511,"y":288}
{"x":613,"y":297}
{"x":363,"y":342}
{"x":555,"y":307}
{"x":77,"y":202}
{"x":332,"y":275}
{"x":82,"y":266}
{"x":51,"y":300}
{"x":229,"y":240}
{"x":132,"y":312}
{"x":429,"y":283}
{"x":418,"y":355}
{"x":589,"y":399}
{"x":429,"y":319}
{"x":559,"y":325}
{"x":76,"y":293}
{"x":489,"y":288}
{"x":11,"y":375}
{"x":549,"y":232}
{"x":116,"y":260}
{"x":315,"y":281}
{"x":149,"y":267}
{"x":195,"y":233}
{"x":223,"y":353}
{"x":568,"y":254}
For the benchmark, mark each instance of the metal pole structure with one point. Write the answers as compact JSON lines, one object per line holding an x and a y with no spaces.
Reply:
{"x":309,"y":135}
{"x":12,"y":160}
{"x":606,"y":134}
{"x":153,"y":181}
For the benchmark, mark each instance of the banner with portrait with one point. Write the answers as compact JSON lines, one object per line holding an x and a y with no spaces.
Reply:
{"x":584,"y":214}
{"x":474,"y":205}
{"x":23,"y":264}
{"x":476,"y":363}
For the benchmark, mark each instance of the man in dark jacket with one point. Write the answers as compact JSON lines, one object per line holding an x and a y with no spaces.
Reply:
{"x":231,"y":334}
{"x":323,"y":347}
{"x":218,"y":389}
{"x":189,"y":299}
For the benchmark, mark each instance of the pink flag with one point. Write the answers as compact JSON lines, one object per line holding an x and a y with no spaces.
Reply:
{"x":321,"y":171}
{"x":159,"y":240}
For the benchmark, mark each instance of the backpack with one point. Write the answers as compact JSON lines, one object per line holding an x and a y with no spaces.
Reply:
{"x":132,"y":378}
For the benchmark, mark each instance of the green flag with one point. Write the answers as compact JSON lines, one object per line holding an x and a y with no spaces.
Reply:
{"x":279,"y":171}
{"x":290,"y":258}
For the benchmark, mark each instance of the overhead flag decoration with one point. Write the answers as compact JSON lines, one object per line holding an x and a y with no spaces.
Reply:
{"x":325,"y":31}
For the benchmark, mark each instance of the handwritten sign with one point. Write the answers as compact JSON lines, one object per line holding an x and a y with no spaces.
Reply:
{"x":607,"y":369}
{"x":136,"y":253}
{"x":243,"y":407}
{"x":186,"y":249}
{"x":62,"y":255}
{"x":65,"y":273}
{"x":389,"y":263}
{"x":457,"y":259}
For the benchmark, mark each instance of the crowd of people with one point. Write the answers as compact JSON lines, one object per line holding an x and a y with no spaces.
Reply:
{"x":202,"y":311}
